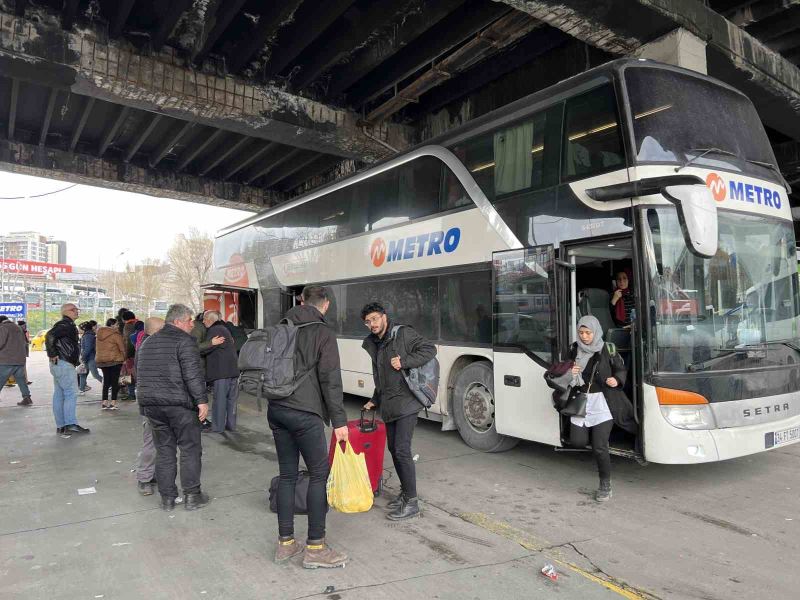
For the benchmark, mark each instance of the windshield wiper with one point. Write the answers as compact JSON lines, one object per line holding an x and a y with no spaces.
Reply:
{"x":773,"y":168}
{"x":702,"y":365}
{"x":703,"y":152}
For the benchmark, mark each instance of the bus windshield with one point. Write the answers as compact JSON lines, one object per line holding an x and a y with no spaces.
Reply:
{"x":678,"y":118}
{"x":709,"y":314}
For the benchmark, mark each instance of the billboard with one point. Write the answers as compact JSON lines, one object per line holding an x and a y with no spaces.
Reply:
{"x":13,"y":310}
{"x":13,"y":266}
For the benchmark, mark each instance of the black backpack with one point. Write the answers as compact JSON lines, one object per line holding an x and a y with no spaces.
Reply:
{"x":267,"y":362}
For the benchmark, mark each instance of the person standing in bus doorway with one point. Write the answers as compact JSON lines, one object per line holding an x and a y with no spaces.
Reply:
{"x":12,"y":358}
{"x":146,"y":466}
{"x":399,"y":408}
{"x":298,"y":427}
{"x":601,"y":376}
{"x":222,"y":372}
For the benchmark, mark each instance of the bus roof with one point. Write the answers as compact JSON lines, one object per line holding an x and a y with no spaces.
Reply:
{"x":510,"y":112}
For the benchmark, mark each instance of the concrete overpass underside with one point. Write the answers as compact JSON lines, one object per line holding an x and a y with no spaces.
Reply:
{"x":246,"y":104}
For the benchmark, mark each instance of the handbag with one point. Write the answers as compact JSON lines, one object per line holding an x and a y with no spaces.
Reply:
{"x":300,"y":493}
{"x":576,"y":403}
{"x":559,"y":375}
{"x":82,"y":370}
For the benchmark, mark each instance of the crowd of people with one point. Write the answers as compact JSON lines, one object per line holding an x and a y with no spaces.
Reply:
{"x":171,"y":366}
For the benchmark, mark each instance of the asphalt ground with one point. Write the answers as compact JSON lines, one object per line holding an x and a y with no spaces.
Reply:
{"x":490,"y":522}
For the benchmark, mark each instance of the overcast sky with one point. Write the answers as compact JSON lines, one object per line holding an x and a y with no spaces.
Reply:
{"x":89,"y":219}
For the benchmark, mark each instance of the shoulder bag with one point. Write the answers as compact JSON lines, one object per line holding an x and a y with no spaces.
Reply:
{"x":576,"y":404}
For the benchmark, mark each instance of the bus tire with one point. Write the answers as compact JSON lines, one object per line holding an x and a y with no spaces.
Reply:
{"x":473,"y":409}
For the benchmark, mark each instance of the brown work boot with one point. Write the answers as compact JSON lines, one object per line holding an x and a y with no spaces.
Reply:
{"x":26,"y":401}
{"x":321,"y":556}
{"x":287,"y":548}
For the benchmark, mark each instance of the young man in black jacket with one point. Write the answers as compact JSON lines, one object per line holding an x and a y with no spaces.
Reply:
{"x":298,"y":426}
{"x":399,"y":408}
{"x":64,"y":352}
{"x":172,"y":394}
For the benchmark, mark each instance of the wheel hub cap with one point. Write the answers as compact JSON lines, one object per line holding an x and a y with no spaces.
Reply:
{"x":479,"y":407}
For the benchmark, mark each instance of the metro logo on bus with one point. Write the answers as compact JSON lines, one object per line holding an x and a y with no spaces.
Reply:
{"x":743,"y":192}
{"x":415,"y":246}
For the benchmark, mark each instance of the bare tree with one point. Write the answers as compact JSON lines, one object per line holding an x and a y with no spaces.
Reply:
{"x":190,"y":262}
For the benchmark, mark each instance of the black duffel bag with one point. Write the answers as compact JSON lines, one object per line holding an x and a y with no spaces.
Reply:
{"x":300,"y":493}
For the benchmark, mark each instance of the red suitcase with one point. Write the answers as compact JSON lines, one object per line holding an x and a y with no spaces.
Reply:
{"x":367,"y":436}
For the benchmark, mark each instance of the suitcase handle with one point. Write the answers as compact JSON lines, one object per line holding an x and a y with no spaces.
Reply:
{"x":367,"y":426}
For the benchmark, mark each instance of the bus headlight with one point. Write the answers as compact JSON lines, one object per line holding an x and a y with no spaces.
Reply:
{"x":685,"y":410}
{"x":689,"y":417}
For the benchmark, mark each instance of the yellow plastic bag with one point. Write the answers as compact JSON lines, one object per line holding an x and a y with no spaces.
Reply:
{"x":349,"y":489}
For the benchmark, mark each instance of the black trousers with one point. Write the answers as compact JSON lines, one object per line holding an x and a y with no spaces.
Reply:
{"x":176,"y":427}
{"x":579,"y":437}
{"x":398,"y":439}
{"x":111,"y":381}
{"x":298,"y":432}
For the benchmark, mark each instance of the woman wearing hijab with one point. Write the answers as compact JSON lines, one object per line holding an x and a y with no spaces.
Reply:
{"x":623,"y":301}
{"x":601,"y":376}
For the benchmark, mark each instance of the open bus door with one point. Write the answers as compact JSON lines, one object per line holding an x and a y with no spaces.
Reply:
{"x":528,"y":334}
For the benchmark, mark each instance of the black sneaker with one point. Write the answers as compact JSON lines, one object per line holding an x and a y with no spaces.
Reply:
{"x":408,"y":509}
{"x":26,"y":401}
{"x":146,"y":488}
{"x":195,"y":500}
{"x":167,"y":503}
{"x":75,"y":428}
{"x":62,"y":431}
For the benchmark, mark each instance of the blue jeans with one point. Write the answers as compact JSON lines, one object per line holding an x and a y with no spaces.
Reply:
{"x":65,"y":393}
{"x":91,"y":367}
{"x":18,"y":371}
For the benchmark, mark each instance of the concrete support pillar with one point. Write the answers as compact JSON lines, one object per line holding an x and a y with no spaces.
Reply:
{"x":680,"y":48}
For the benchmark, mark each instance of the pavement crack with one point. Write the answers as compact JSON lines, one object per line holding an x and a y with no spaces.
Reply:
{"x":416,"y":577}
{"x":610,"y":578}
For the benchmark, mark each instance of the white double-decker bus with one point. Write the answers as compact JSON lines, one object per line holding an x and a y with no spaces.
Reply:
{"x":493,"y":239}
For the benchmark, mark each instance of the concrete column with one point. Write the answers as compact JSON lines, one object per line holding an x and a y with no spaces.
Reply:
{"x":680,"y":48}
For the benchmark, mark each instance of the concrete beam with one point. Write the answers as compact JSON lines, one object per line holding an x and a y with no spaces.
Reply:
{"x":76,"y":134}
{"x":758,"y":11}
{"x":163,"y":83}
{"x":30,"y":159}
{"x":622,"y":26}
{"x":680,"y":48}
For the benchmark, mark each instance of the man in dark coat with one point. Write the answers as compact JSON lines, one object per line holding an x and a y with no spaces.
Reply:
{"x":13,"y":354}
{"x":222,"y":372}
{"x":64,"y":352}
{"x":298,"y":427}
{"x":172,"y":393}
{"x":399,"y":407}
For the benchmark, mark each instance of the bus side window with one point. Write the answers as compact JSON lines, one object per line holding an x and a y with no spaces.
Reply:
{"x":592,"y":141}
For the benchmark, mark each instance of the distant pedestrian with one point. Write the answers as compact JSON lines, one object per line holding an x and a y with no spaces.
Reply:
{"x":130,"y":326}
{"x":199,"y":333}
{"x":222,"y":373}
{"x":298,"y":428}
{"x":63,"y":350}
{"x":13,"y":355}
{"x":146,"y":466}
{"x":24,"y":326}
{"x":172,"y":392}
{"x":110,"y":354}
{"x":399,"y":408}
{"x":88,"y":355}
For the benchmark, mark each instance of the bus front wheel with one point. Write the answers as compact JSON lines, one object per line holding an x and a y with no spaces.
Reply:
{"x":474,"y":407}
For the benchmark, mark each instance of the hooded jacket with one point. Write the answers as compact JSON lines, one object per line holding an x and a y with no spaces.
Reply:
{"x":88,"y":346}
{"x":222,"y":360}
{"x":109,"y":348}
{"x":316,"y":350}
{"x":392,"y":394}
{"x":169,"y":371}
{"x":62,"y":341}
{"x":13,"y":344}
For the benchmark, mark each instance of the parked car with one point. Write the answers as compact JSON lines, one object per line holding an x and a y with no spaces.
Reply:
{"x":37,"y":342}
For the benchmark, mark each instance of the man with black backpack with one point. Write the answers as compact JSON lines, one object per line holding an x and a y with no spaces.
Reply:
{"x":392,"y":350}
{"x":298,"y":426}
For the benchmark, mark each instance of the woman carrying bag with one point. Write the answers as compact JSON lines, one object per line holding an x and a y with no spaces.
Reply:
{"x":598,"y":380}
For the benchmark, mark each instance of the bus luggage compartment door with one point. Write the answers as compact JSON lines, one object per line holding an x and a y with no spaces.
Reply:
{"x":525,"y":342}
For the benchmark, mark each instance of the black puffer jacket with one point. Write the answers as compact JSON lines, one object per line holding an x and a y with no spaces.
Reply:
{"x":609,"y":366}
{"x":221,"y":361}
{"x":392,"y":395}
{"x":320,"y":393}
{"x":62,"y":341}
{"x":169,"y":371}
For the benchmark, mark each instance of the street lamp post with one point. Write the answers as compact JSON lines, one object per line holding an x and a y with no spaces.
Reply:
{"x":114,"y":267}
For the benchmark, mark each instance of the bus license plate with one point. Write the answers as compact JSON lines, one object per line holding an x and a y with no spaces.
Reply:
{"x":780,"y":438}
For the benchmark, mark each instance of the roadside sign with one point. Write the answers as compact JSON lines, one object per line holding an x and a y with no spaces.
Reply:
{"x":13,"y":310}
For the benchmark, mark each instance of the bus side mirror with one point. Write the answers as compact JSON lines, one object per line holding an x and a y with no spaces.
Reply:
{"x":697,"y":213}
